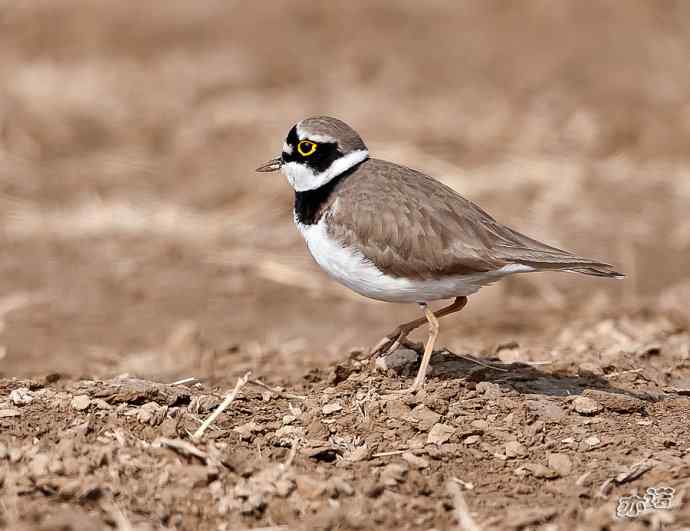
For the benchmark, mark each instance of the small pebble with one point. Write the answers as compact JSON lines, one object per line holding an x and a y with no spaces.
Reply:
{"x":415,"y":461}
{"x":81,"y":402}
{"x":593,"y":441}
{"x":586,"y":406}
{"x":424,"y":417}
{"x":333,"y":407}
{"x":440,"y":433}
{"x":21,"y":396}
{"x":561,"y":463}
{"x":472,"y":439}
{"x":490,"y":390}
{"x":515,"y":449}
{"x":396,"y":360}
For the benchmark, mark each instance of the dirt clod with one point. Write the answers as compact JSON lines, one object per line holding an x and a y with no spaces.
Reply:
{"x":515,"y":449}
{"x":586,"y":406}
{"x":21,"y":396}
{"x":618,"y":402}
{"x":561,"y":463}
{"x":440,"y":433}
{"x":423,"y":417}
{"x":397,"y":360}
{"x":81,"y":402}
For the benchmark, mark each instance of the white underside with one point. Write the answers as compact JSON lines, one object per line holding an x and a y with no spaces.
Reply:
{"x":349,"y":267}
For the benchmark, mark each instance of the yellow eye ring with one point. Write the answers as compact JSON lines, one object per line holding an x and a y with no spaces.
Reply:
{"x":306,"y":148}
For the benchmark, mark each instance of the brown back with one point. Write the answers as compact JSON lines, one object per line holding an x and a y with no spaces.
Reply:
{"x":410,"y":225}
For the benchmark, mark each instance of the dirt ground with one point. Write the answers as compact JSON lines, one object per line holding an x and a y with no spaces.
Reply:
{"x":139,"y":248}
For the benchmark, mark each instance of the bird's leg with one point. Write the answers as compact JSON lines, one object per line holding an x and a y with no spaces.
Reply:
{"x":398,"y":337}
{"x":428,"y":348}
{"x":432,"y":319}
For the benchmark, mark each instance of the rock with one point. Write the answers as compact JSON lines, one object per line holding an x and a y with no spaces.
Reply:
{"x":472,"y":439}
{"x":545,"y":408}
{"x":317,"y":430}
{"x":537,"y":470}
{"x":423,"y":417}
{"x":561,"y":463}
{"x":590,"y":369}
{"x":331,"y":408}
{"x":101,"y":404}
{"x":415,"y":461}
{"x":490,"y":390}
{"x":286,"y":434}
{"x":247,"y":431}
{"x":80,"y":402}
{"x":397,"y":409}
{"x":9,"y":412}
{"x":135,"y":391}
{"x":21,"y":396}
{"x":358,"y":453}
{"x":396,"y":360}
{"x":617,"y":402}
{"x":289,"y":419}
{"x":440,"y":433}
{"x":151,"y":413}
{"x":393,"y":474}
{"x":515,"y":449}
{"x":481,"y":425}
{"x":634,"y":472}
{"x":586,"y":406}
{"x":592,"y":441}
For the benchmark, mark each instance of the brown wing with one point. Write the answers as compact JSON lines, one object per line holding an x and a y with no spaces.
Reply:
{"x":411,"y":225}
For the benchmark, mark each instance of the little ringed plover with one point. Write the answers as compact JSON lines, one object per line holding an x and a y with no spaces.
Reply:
{"x":394,"y":234}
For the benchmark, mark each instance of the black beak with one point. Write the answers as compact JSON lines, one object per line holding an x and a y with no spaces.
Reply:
{"x":271,"y":165}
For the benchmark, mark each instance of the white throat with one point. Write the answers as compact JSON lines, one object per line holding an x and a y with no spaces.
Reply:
{"x":303,"y":178}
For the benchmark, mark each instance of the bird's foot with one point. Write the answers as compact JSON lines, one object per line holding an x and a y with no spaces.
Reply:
{"x":408,"y":391}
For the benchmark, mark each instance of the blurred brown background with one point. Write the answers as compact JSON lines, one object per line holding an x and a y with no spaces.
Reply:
{"x":135,"y":236}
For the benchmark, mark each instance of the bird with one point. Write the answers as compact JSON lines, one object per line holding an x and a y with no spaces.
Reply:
{"x":395,"y":234}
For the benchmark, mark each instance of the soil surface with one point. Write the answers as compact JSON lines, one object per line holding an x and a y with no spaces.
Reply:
{"x":510,"y":445}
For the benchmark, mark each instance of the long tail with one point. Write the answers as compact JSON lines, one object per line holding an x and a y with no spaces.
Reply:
{"x":515,"y":247}
{"x":564,"y":262}
{"x":597,"y":272}
{"x":553,"y":259}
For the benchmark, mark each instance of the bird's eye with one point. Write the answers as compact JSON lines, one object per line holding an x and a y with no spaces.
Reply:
{"x":306,"y":148}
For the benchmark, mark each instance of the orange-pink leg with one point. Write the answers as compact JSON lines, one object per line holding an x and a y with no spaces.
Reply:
{"x":392,"y":341}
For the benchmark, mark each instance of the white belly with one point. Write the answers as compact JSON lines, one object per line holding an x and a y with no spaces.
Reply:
{"x":348,"y":266}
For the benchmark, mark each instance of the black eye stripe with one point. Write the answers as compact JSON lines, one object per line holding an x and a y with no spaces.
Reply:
{"x":319,"y":161}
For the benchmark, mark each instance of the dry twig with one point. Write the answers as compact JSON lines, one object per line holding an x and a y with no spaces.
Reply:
{"x":276,"y":391}
{"x":393,"y":452}
{"x":462,"y":512}
{"x":483,"y":364}
{"x":191,"y":379}
{"x":226,"y":403}
{"x":182,"y":447}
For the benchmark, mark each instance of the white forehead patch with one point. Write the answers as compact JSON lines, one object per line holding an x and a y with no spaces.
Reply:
{"x":316,"y":137}
{"x":287,"y":148}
